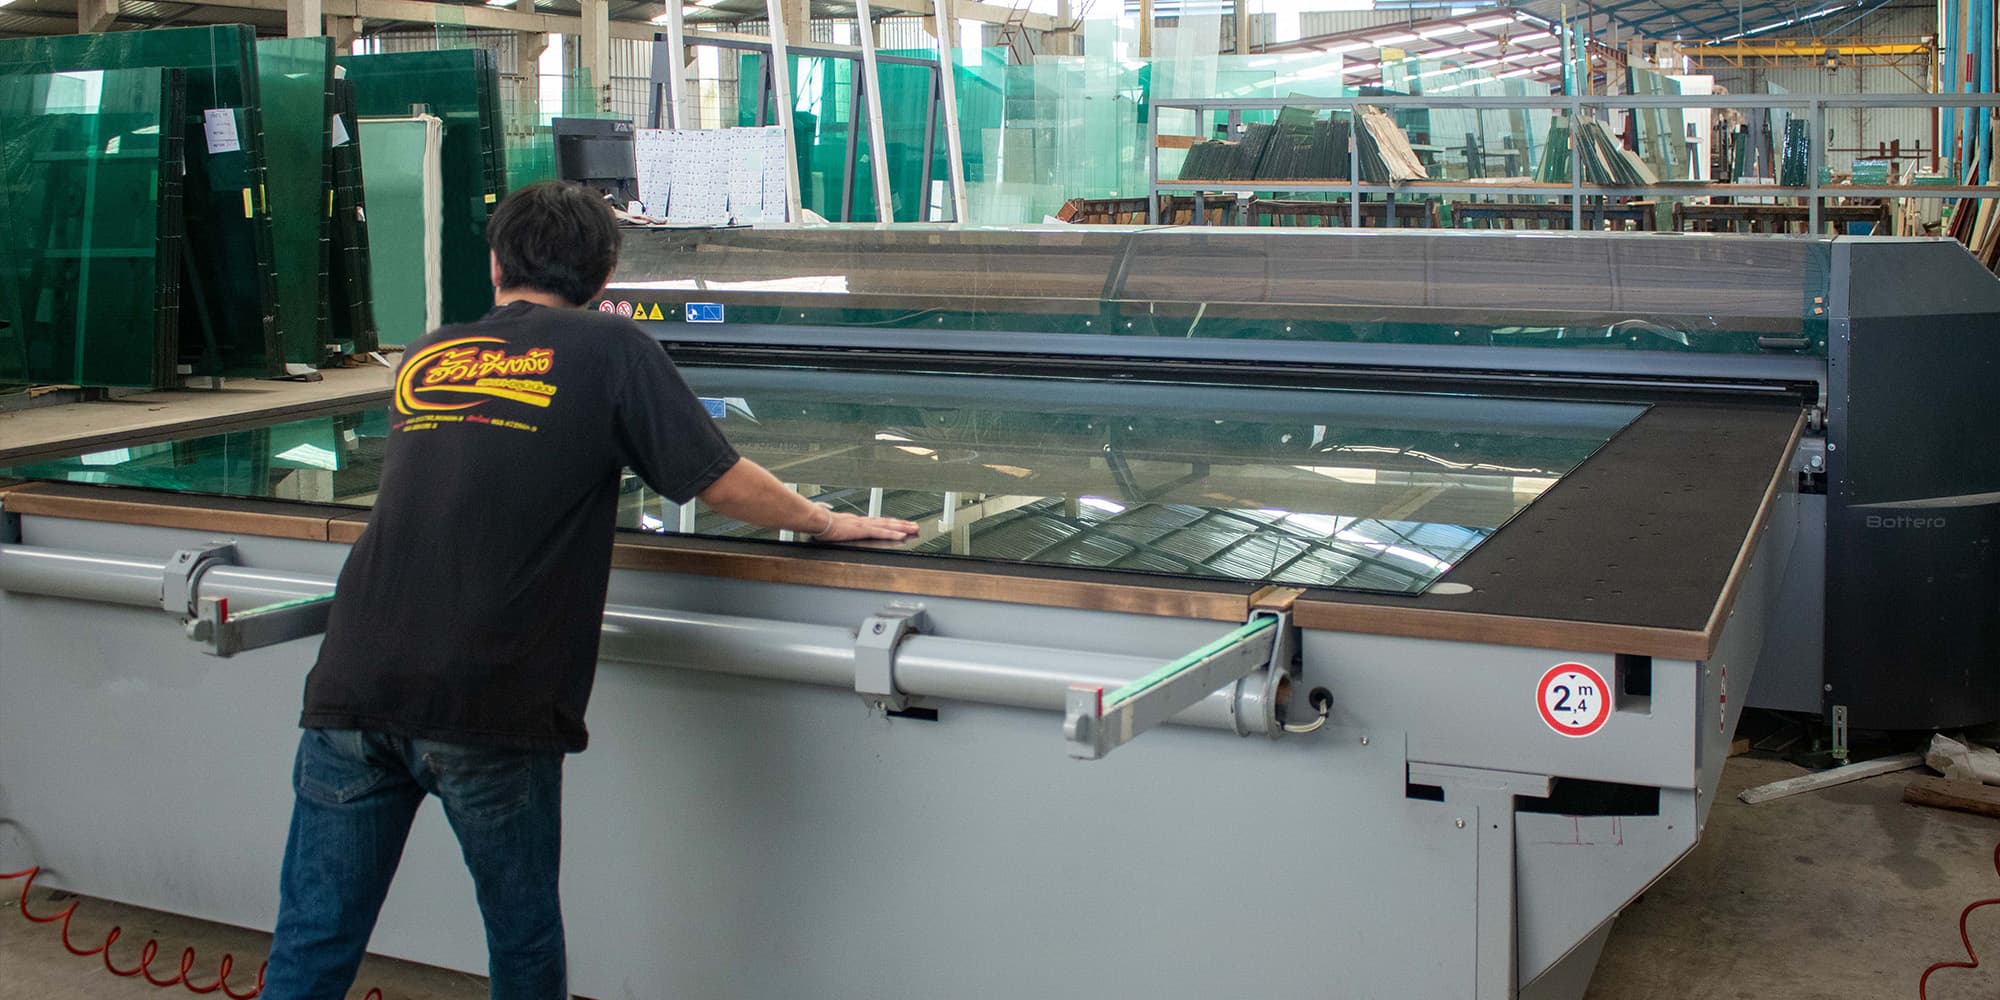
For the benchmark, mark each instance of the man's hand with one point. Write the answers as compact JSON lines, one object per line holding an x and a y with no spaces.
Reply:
{"x":855,"y":528}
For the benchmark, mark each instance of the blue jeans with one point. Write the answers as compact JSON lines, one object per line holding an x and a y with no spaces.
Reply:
{"x":357,"y":793}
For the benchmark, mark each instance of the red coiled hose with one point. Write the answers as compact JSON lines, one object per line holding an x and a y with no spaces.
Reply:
{"x":1964,"y":937}
{"x":147,"y":952}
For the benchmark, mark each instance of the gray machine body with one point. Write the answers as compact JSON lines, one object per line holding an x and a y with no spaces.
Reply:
{"x":730,"y":835}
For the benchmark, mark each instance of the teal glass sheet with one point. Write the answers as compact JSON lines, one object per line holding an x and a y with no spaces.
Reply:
{"x":395,"y":164}
{"x":461,"y":86}
{"x":1323,"y":488}
{"x":1635,"y":291}
{"x":230,"y":316}
{"x":90,"y":167}
{"x":295,"y":80}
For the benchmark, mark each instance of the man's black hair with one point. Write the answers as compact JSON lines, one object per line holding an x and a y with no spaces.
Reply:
{"x":555,"y":237}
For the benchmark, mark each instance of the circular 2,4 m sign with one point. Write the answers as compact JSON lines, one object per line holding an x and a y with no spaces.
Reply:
{"x":1573,"y":699}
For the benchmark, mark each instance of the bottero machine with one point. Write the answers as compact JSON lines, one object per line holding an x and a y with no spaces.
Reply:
{"x":1297,"y":614}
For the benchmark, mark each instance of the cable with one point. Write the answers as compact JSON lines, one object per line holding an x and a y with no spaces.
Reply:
{"x":147,"y":952}
{"x":1964,"y":937}
{"x":1322,"y":702}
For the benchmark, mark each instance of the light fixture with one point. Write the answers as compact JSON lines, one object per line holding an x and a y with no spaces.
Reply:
{"x":501,"y":3}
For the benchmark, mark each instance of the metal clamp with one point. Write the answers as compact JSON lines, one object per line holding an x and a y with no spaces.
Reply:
{"x":180,"y":579}
{"x":875,"y":653}
{"x":222,"y":634}
{"x":1262,"y":694}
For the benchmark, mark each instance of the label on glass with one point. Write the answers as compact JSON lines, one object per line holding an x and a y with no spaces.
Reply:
{"x":219,"y":125}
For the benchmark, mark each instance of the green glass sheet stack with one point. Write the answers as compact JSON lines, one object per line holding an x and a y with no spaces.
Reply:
{"x":349,"y":289}
{"x":295,"y":81}
{"x":90,"y":227}
{"x":229,"y":306}
{"x":462,"y":87}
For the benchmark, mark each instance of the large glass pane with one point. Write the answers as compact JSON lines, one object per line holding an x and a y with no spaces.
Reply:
{"x":461,"y":87}
{"x":1367,"y":491}
{"x":295,"y":80}
{"x":229,"y":323}
{"x":90,"y":227}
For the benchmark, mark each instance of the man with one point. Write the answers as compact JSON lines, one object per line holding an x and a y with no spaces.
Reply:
{"x":463,"y":640}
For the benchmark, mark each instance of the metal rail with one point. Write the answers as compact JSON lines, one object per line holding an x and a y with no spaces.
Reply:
{"x":909,"y":663}
{"x":1577,"y":189}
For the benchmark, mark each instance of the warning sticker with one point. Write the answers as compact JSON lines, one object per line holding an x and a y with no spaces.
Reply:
{"x":656,"y":313}
{"x":606,"y":307}
{"x":624,"y":308}
{"x":1573,"y":699}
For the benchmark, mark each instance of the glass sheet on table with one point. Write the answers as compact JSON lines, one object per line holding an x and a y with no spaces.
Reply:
{"x":1324,"y":488}
{"x":90,"y":228}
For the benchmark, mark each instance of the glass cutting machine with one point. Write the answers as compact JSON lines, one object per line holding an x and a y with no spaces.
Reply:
{"x":1406,"y":584}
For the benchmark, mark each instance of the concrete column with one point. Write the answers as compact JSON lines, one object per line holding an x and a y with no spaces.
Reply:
{"x":1145,"y":29}
{"x":594,"y":49}
{"x":1061,"y":41}
{"x":303,"y":18}
{"x":798,"y":20}
{"x":344,"y":31}
{"x":528,"y":70}
{"x":95,"y":15}
{"x":1242,"y":28}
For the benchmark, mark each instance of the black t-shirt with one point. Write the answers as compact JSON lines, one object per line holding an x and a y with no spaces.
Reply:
{"x":469,"y":610}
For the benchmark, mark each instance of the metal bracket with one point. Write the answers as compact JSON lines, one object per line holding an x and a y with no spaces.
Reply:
{"x":181,"y":577}
{"x":1095,"y":722}
{"x":875,"y":653}
{"x":222,"y":634}
{"x":1840,"y":733}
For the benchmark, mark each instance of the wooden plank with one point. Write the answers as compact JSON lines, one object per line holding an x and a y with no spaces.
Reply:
{"x":169,"y":512}
{"x":1943,"y":793}
{"x":1276,"y":598}
{"x":68,"y":429}
{"x":1828,"y":779}
{"x":1739,"y":748}
{"x":1178,"y":141}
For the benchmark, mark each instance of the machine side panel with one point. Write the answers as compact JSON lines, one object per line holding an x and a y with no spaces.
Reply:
{"x":1573,"y":871}
{"x":1791,"y":671}
{"x":1913,"y":579}
{"x":1474,"y":705}
{"x":745,"y":838}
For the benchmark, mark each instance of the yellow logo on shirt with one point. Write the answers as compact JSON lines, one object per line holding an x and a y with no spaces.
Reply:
{"x":452,"y":369}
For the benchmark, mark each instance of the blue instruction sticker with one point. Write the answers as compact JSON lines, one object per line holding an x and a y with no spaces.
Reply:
{"x":716,"y":408}
{"x":704,"y":312}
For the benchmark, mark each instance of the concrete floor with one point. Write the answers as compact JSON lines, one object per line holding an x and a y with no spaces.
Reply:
{"x":1842,"y":893}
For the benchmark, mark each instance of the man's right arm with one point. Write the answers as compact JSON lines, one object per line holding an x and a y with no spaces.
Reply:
{"x":749,"y":493}
{"x":666,"y":437}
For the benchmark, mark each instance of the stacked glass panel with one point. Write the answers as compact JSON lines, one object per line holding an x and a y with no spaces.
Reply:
{"x":295,"y":81}
{"x":230,"y":317}
{"x":462,"y":87}
{"x":90,"y":227}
